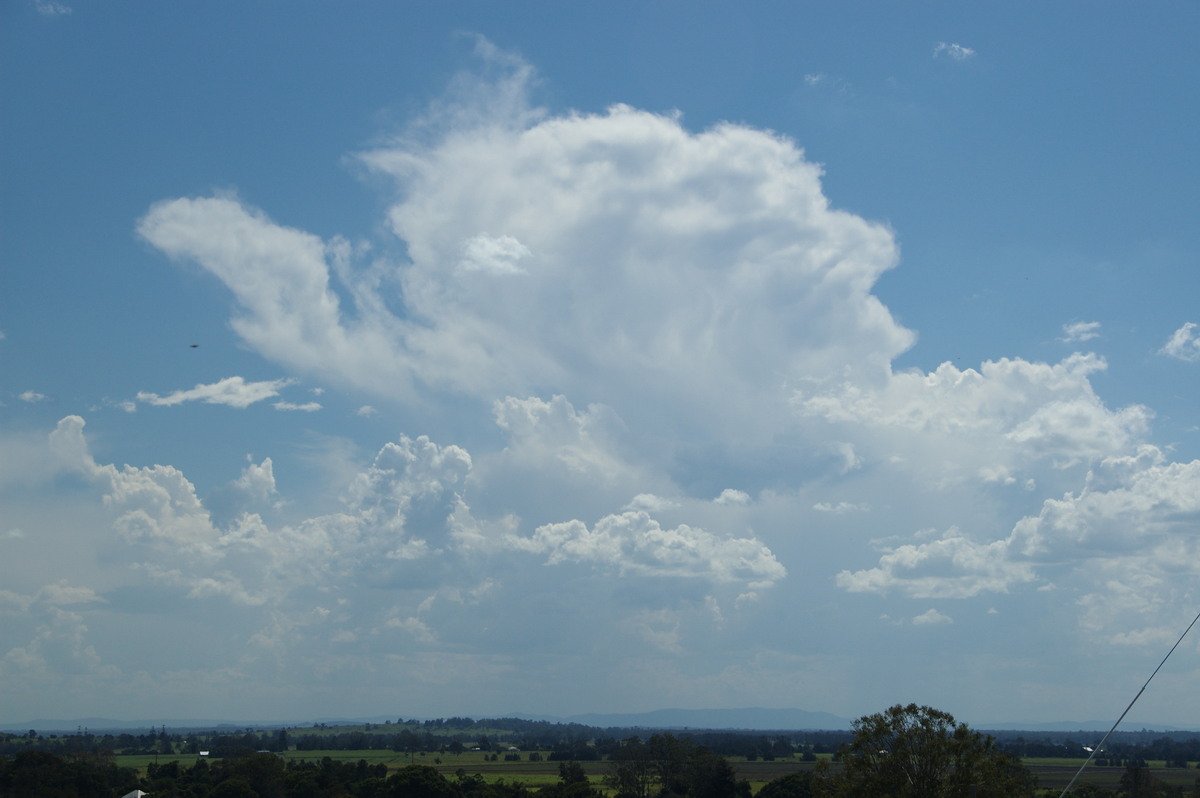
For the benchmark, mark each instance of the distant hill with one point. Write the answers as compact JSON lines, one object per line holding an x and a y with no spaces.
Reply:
{"x":180,"y":724}
{"x":751,"y":718}
{"x":1099,"y":726}
{"x":46,"y":725}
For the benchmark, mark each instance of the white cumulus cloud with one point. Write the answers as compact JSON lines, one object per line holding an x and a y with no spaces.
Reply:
{"x":1184,"y":344}
{"x":932,"y":618}
{"x":1009,"y":413}
{"x":653,"y":312}
{"x":663,"y":269}
{"x":732,"y":496}
{"x":951,"y":567}
{"x":633,"y":542}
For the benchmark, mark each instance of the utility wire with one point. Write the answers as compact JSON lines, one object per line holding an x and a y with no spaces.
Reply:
{"x":1100,"y":745}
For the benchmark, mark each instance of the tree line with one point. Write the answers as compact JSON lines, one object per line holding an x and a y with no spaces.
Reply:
{"x":563,"y":741}
{"x":558,"y":741}
{"x":905,"y":752}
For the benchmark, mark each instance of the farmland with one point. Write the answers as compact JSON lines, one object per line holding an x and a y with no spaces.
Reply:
{"x":515,"y":757}
{"x":1053,"y":773}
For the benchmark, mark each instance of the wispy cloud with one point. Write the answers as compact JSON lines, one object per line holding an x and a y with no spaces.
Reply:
{"x":231,"y":391}
{"x":307,"y":407}
{"x":31,"y":396}
{"x":841,"y":508}
{"x":955,"y":51}
{"x":1079,"y":331}
{"x":1184,"y":344}
{"x":496,"y":255}
{"x":52,"y":8}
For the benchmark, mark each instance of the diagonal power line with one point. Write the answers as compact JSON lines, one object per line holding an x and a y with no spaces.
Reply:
{"x":1100,"y":745}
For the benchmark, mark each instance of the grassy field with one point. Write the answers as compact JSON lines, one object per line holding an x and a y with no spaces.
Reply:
{"x":1052,"y":774}
{"x":534,"y":774}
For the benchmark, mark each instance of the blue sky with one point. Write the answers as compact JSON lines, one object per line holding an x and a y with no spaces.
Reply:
{"x":566,"y":358}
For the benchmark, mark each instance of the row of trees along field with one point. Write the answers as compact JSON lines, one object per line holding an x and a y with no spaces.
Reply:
{"x":562,"y":741}
{"x":906,"y":752}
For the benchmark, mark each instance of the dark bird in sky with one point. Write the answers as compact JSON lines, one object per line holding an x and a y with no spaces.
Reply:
{"x":195,"y":346}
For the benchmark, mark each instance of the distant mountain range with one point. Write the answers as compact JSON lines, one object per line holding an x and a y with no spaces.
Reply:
{"x":48,"y":725}
{"x":1074,"y":725}
{"x":757,"y":719}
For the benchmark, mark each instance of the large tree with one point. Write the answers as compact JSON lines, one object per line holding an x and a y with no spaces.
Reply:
{"x":922,"y":752}
{"x":667,"y":767}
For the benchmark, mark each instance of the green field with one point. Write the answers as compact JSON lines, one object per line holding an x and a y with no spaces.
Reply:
{"x":534,"y":774}
{"x":1052,"y":773}
{"x":1055,"y":773}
